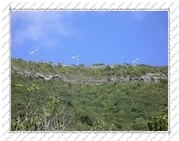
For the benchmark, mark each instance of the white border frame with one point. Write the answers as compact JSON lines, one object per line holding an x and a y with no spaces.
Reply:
{"x":5,"y":98}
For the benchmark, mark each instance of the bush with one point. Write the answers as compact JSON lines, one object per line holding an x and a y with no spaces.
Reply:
{"x":158,"y":123}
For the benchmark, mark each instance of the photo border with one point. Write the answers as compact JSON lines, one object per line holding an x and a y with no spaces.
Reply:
{"x":91,"y":6}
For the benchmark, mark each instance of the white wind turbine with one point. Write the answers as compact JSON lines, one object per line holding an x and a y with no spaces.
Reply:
{"x":134,"y":62}
{"x":77,"y":59}
{"x":34,"y":51}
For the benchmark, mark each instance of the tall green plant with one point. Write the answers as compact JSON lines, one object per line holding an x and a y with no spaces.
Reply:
{"x":158,"y":123}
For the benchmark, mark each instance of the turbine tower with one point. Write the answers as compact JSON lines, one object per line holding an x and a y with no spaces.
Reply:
{"x":77,"y":59}
{"x":134,"y":62}
{"x":34,"y":52}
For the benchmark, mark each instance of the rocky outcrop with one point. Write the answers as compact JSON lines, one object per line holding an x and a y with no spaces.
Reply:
{"x":74,"y":79}
{"x":47,"y":77}
{"x":37,"y":75}
{"x":153,"y":77}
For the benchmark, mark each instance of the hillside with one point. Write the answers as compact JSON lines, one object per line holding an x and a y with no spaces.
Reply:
{"x":47,"y":96}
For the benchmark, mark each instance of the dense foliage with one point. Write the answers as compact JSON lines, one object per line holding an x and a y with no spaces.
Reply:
{"x":37,"y":104}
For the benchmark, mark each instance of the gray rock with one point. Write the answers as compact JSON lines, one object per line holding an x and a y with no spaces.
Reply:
{"x":56,"y":77}
{"x":27,"y":73}
{"x":48,"y":77}
{"x":82,"y":79}
{"x":39,"y":76}
{"x":147,"y":77}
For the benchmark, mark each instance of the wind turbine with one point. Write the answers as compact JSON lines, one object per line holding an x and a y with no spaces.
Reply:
{"x":34,"y":51}
{"x":77,"y":59}
{"x":134,"y":62}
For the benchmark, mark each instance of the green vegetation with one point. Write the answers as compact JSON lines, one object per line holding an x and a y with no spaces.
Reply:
{"x":38,"y":104}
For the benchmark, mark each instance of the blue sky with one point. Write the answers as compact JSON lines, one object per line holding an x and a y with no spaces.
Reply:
{"x":109,"y":37}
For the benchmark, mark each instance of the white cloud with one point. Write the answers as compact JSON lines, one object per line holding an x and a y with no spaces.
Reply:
{"x":37,"y":50}
{"x":138,"y":15}
{"x":41,"y":26}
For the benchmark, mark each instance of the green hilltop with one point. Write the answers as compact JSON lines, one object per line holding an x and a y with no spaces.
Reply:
{"x":47,"y":96}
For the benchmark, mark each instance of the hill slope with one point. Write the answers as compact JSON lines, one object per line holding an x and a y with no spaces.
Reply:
{"x":57,"y":97}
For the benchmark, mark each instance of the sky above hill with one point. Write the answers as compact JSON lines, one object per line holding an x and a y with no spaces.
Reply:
{"x":90,"y":37}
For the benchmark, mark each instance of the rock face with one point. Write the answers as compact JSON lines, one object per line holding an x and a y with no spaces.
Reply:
{"x":153,"y":77}
{"x":39,"y":76}
{"x":74,"y":79}
{"x":46,"y":77}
